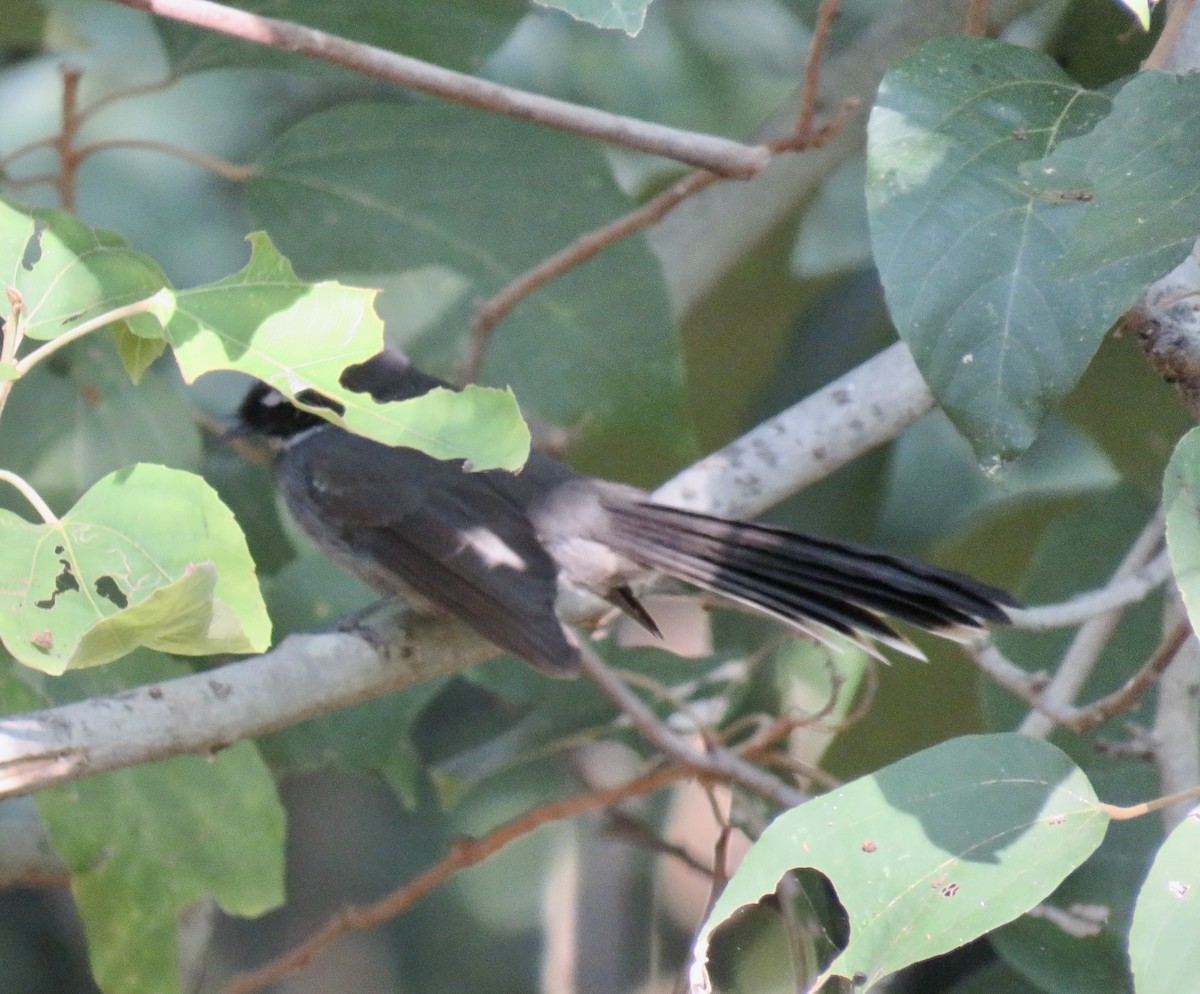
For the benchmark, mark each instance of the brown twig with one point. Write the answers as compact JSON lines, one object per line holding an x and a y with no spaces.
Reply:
{"x":226,"y":170}
{"x":977,"y":19}
{"x":720,"y":155}
{"x":64,"y":141}
{"x":623,"y":825}
{"x":492,"y":311}
{"x":464,"y":853}
{"x":1030,"y":687}
{"x":826,"y":14}
{"x":1127,"y":697}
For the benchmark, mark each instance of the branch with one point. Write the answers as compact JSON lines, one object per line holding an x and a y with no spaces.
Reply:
{"x":719,"y":155}
{"x":1093,"y":635}
{"x":866,"y":407}
{"x":1119,"y":592}
{"x":307,"y":675}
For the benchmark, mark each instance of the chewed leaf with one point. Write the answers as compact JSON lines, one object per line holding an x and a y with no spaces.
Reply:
{"x":149,"y":556}
{"x":968,"y":835}
{"x":66,"y":273}
{"x":299,"y":336}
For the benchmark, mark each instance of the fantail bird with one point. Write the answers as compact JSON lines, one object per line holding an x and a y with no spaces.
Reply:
{"x":496,"y":549}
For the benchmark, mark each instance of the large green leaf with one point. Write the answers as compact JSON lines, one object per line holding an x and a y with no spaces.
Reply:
{"x":458,"y":34}
{"x":968,"y":247}
{"x":930,"y":852}
{"x":443,"y":191}
{"x":1162,"y":942}
{"x":148,"y":556}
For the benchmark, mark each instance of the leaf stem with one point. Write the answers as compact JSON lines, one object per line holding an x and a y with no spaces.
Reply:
{"x":226,"y":170}
{"x":26,"y":490}
{"x":108,"y":317}
{"x":1121,"y":812}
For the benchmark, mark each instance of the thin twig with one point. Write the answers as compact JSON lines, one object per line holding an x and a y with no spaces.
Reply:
{"x":492,"y":311}
{"x":1030,"y":687}
{"x":43,"y":352}
{"x":720,"y":155}
{"x":621,"y":824}
{"x":464,"y":853}
{"x":219,"y":167}
{"x":1094,"y":634}
{"x":31,"y":495}
{"x":977,"y":19}
{"x":1128,"y":696}
{"x":127,"y":93}
{"x":1118,"y":592}
{"x":826,"y":13}
{"x":718,"y":763}
{"x":64,"y":141}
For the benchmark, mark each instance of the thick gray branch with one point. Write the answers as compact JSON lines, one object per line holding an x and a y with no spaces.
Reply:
{"x":305,"y":676}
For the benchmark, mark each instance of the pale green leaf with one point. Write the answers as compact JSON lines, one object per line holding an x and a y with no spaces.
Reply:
{"x":930,"y":852}
{"x":148,"y":556}
{"x":1162,"y":942}
{"x":298,"y":336}
{"x":626,"y":15}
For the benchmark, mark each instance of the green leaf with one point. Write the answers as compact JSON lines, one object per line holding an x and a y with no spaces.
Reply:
{"x":137,"y":352}
{"x":148,"y":556}
{"x":68,"y":273}
{"x":967,"y":248}
{"x":1181,"y":501}
{"x":458,"y":34}
{"x":298,"y":336}
{"x":144,"y":844}
{"x":22,"y":23}
{"x":1139,"y":170}
{"x":446,"y":190}
{"x":627,"y":15}
{"x":1162,"y":941}
{"x":930,"y":852}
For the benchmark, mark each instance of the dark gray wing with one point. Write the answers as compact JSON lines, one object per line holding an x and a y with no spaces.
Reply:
{"x":408,"y":524}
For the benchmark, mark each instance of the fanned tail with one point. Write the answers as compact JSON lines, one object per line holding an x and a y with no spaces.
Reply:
{"x":812,"y":584}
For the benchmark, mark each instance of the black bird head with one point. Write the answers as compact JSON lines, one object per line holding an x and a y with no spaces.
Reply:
{"x":266,"y":411}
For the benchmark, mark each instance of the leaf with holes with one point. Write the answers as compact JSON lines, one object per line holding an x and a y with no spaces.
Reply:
{"x":66,"y":273}
{"x":148,"y":556}
{"x":299,"y":336}
{"x":930,"y":852}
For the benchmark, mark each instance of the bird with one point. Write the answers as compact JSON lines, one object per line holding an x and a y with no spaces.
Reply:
{"x":498,"y":550}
